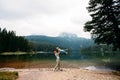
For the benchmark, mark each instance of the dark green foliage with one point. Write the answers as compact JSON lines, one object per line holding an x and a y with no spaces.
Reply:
{"x":100,"y":51}
{"x":105,"y":23}
{"x":44,"y":46}
{"x":9,"y":42}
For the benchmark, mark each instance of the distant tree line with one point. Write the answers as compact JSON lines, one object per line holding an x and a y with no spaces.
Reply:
{"x":9,"y":42}
{"x":100,"y":51}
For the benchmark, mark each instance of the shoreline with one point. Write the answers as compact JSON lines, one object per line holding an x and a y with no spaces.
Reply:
{"x":90,"y":68}
{"x":65,"y":74}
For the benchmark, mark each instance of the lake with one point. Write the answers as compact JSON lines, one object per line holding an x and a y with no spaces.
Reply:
{"x":72,"y":60}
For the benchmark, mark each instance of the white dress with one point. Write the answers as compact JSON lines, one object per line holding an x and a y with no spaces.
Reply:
{"x":57,"y":56}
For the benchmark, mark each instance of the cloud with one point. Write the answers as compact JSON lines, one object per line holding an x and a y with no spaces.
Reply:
{"x":48,"y":17}
{"x":21,"y":8}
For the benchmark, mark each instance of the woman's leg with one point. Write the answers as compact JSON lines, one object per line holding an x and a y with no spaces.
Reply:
{"x":57,"y":65}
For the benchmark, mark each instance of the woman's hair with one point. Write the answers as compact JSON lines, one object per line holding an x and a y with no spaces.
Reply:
{"x":56,"y":50}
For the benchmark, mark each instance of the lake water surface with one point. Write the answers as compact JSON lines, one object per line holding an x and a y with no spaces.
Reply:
{"x":48,"y":61}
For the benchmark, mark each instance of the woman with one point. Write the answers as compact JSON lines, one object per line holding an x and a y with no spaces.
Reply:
{"x":57,"y":53}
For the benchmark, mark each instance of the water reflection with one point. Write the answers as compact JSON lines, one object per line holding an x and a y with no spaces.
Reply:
{"x":72,"y":60}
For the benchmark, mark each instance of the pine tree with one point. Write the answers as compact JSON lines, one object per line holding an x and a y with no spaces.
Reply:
{"x":105,"y":23}
{"x":9,"y":42}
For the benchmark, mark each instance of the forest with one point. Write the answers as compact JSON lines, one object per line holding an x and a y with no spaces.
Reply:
{"x":101,"y":51}
{"x":9,"y":42}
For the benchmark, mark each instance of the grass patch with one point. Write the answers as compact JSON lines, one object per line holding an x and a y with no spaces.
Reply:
{"x":8,"y":75}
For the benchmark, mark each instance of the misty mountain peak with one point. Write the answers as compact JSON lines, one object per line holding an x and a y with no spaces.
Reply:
{"x":68,"y":35}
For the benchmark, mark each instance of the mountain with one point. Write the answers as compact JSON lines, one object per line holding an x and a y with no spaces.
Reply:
{"x":68,"y":35}
{"x":64,"y":40}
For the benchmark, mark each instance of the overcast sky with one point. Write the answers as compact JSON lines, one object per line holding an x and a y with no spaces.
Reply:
{"x":44,"y":17}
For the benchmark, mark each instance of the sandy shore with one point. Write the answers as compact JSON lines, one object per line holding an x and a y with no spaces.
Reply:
{"x":66,"y":74}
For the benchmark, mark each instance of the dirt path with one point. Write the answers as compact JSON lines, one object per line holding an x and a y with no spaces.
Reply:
{"x":66,"y":74}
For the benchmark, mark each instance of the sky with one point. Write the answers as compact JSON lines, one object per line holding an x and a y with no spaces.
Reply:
{"x":44,"y":17}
